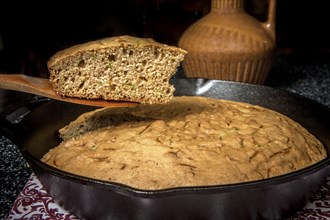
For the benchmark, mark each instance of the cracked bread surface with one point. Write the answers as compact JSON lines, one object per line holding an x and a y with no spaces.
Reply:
{"x":120,"y":68}
{"x":190,"y":141}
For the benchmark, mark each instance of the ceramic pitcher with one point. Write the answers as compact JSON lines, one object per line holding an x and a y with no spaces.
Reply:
{"x":230,"y":44}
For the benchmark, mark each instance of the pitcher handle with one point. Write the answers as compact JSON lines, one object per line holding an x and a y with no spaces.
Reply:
{"x":269,"y":25}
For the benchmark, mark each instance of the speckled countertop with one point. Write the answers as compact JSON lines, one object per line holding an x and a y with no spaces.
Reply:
{"x":308,"y":76}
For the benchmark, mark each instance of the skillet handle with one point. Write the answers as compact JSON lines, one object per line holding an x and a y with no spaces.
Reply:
{"x":10,"y":122}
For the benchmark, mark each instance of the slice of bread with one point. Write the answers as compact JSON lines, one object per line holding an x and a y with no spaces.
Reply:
{"x":122,"y":68}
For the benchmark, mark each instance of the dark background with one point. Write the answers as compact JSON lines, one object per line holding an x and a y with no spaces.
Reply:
{"x":32,"y":31}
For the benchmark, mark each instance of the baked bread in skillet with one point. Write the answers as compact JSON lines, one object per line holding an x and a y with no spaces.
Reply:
{"x":191,"y":141}
{"x":121,"y":68}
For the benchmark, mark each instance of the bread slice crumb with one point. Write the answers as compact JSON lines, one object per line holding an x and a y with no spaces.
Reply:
{"x":121,"y":68}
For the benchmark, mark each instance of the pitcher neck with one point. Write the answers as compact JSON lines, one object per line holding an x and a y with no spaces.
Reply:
{"x":227,"y":4}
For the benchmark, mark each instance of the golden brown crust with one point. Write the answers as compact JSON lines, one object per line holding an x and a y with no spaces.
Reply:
{"x":191,"y":141}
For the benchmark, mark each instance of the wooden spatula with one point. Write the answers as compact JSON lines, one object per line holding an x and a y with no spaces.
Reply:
{"x":42,"y":87}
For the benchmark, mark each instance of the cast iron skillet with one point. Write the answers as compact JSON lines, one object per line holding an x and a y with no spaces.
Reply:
{"x":274,"y":198}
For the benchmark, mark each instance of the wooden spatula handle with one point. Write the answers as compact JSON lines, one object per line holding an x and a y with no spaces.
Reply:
{"x":28,"y":84}
{"x":43,"y":87}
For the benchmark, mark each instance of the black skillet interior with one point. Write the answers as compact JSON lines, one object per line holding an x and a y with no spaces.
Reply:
{"x":39,"y":133}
